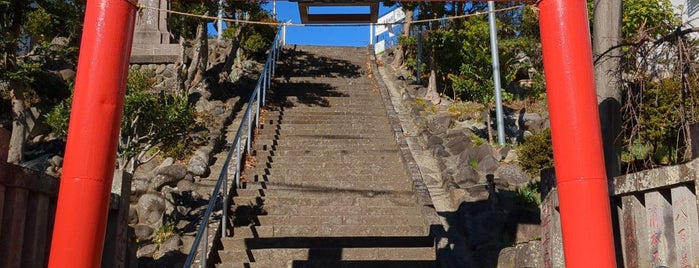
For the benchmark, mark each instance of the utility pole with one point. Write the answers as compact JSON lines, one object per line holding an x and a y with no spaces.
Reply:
{"x":496,"y":74}
{"x":220,"y":20}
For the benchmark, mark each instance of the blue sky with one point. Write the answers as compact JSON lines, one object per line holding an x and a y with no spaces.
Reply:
{"x":356,"y":36}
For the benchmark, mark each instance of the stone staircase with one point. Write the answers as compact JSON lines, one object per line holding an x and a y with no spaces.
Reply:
{"x":325,"y":185}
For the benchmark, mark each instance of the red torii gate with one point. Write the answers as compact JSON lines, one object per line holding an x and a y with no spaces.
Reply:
{"x":81,"y":214}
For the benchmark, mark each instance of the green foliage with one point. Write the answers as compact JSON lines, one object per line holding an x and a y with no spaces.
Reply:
{"x":528,"y":195}
{"x":165,"y":232}
{"x":536,"y":153}
{"x":57,"y":118}
{"x":149,"y":118}
{"x":653,"y":16}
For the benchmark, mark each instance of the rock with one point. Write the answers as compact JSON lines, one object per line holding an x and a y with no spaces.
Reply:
{"x":483,"y":151}
{"x":506,"y":258}
{"x":434,"y":140}
{"x":438,"y":151}
{"x":175,"y":171}
{"x":438,"y":123}
{"x":466,"y":177}
{"x":186,"y":186}
{"x":532,"y":122}
{"x":160,"y":69}
{"x":488,"y":164}
{"x":198,"y":166}
{"x":142,"y":232}
{"x":151,"y":207}
{"x":528,"y":254}
{"x":511,"y":157}
{"x":139,"y":186}
{"x":458,"y":144}
{"x":168,"y":175}
{"x":146,"y":250}
{"x":173,"y":243}
{"x":60,"y":41}
{"x":56,"y":161}
{"x":527,"y":232}
{"x":477,"y":193}
{"x":67,"y":75}
{"x":513,"y":174}
{"x":133,"y":215}
{"x":402,"y":75}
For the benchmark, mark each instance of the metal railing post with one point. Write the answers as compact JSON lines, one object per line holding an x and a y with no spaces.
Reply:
{"x":224,"y":194}
{"x":204,"y":242}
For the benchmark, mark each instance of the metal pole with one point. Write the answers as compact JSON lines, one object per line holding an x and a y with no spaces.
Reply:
{"x":93,"y":132}
{"x":219,"y":23}
{"x":575,"y":129}
{"x":274,"y":9}
{"x":419,"y":53}
{"x":496,"y":74}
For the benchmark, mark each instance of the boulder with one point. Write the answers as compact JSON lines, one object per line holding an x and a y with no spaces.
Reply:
{"x":133,"y":215}
{"x":506,"y":258}
{"x":438,"y":124}
{"x":466,"y":177}
{"x":527,"y":232}
{"x":139,"y":186}
{"x":532,"y":122}
{"x":458,"y":144}
{"x":489,"y":164}
{"x":528,"y":254}
{"x":168,"y":175}
{"x":186,"y":186}
{"x":151,"y":207}
{"x":173,"y":243}
{"x":198,"y":166}
{"x":146,"y":251}
{"x":513,"y":174}
{"x":143,"y":232}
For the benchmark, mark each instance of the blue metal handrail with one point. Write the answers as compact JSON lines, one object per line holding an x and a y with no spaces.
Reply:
{"x":256,"y":100}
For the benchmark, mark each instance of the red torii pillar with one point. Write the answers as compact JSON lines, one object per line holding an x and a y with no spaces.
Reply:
{"x":93,"y":133}
{"x":575,"y":129}
{"x":98,"y":105}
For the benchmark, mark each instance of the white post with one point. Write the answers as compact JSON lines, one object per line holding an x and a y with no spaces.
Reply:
{"x":496,"y":74}
{"x":371,"y":33}
{"x":220,"y":20}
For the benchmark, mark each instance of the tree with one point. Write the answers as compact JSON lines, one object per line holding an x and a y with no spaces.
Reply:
{"x":606,"y":37}
{"x":42,"y":20}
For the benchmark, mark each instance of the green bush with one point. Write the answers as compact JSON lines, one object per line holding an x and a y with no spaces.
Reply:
{"x":536,"y":153}
{"x":155,"y":118}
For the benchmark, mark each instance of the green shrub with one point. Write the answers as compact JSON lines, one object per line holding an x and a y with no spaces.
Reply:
{"x":536,"y":153}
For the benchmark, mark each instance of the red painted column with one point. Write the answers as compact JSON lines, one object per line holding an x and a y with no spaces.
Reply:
{"x":575,"y":129}
{"x":93,"y":132}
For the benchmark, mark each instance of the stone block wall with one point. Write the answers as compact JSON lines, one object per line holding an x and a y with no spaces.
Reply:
{"x":658,"y":218}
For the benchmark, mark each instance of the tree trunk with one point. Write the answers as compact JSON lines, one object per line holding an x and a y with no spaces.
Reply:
{"x":432,"y":95}
{"x":195,"y":73}
{"x":19,"y":120}
{"x":19,"y":124}
{"x":607,"y":34}
{"x":401,"y":51}
{"x":232,"y":55}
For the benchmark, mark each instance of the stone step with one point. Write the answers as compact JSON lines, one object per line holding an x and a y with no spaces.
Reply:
{"x":333,"y":264}
{"x":335,"y":254}
{"x":338,"y":200}
{"x":326,"y":169}
{"x":330,"y":185}
{"x":295,"y":220}
{"x":373,"y":121}
{"x":328,"y":141}
{"x":320,"y":152}
{"x":266,"y":145}
{"x":325,"y":128}
{"x":299,"y":210}
{"x":323,"y":113}
{"x":329,"y":231}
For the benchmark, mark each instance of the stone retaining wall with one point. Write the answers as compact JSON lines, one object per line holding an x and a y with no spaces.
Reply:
{"x":657,"y":223}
